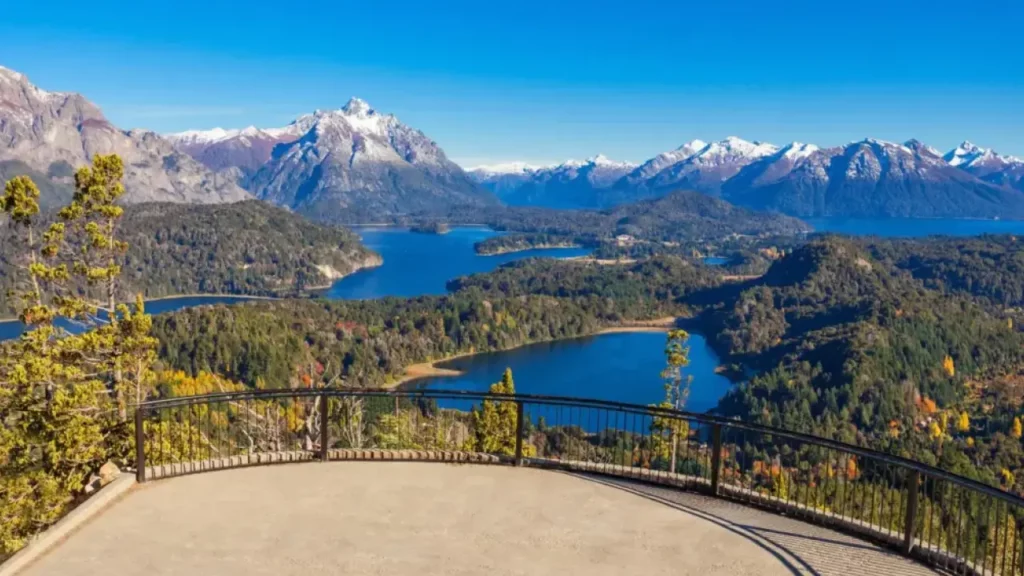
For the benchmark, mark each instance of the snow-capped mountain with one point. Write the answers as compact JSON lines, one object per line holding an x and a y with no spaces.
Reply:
{"x":505,"y":168}
{"x":503,"y":179}
{"x":238,"y":152}
{"x":709,"y":167}
{"x":988,"y":165}
{"x":50,"y":134}
{"x":867,"y":178}
{"x":571,"y":184}
{"x":355,"y":164}
{"x":696,"y":165}
{"x":870,"y":178}
{"x":652,"y":167}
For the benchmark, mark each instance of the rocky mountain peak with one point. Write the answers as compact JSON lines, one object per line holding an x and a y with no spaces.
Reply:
{"x":54,"y":132}
{"x":357,"y":107}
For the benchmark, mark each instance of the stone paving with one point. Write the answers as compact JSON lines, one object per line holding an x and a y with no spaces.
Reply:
{"x":451,"y":519}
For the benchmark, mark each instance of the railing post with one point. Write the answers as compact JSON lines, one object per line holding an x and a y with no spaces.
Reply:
{"x":519,"y":433}
{"x":911,"y":519}
{"x":716,"y":456}
{"x":140,"y":447}
{"x":325,"y":432}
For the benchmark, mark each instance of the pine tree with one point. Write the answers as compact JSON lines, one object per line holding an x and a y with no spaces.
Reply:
{"x":62,"y":395}
{"x":666,"y":432}
{"x":495,"y":423}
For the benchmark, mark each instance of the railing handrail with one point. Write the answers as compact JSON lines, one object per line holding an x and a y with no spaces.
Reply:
{"x":912,"y":465}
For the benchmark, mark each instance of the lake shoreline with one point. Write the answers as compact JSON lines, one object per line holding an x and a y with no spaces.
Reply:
{"x":309,"y":292}
{"x":176,"y":296}
{"x":431,"y":369}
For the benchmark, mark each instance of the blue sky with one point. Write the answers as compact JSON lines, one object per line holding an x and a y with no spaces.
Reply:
{"x":545,"y":81}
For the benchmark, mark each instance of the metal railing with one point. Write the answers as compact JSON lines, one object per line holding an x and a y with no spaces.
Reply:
{"x":948,"y":521}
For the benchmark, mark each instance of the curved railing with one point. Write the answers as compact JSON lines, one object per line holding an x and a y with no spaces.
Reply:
{"x":948,"y":521}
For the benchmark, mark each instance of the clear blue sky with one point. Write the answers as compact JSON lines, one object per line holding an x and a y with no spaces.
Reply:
{"x":546,"y":80}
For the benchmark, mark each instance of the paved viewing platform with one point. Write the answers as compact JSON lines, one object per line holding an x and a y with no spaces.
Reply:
{"x":427,"y":518}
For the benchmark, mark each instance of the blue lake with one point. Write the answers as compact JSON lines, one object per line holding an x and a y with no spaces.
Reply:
{"x":420,"y":264}
{"x":622,"y":367}
{"x":915,"y":227}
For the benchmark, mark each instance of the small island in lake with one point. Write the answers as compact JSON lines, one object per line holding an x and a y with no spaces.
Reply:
{"x":431,"y":228}
{"x":522,"y":242}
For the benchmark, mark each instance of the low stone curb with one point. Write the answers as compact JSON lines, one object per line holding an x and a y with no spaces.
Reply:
{"x":266,"y":458}
{"x":85,"y":511}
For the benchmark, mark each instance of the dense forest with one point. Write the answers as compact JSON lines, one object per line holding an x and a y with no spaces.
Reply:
{"x":988,"y":267}
{"x":370,"y":343}
{"x":846,"y":346}
{"x":247,"y":248}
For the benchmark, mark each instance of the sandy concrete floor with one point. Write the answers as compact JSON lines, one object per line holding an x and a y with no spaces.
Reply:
{"x":417,"y":518}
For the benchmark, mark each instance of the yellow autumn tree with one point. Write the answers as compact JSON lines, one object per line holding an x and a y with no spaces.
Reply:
{"x":1016,"y":430}
{"x":948,"y":366}
{"x":495,"y":422}
{"x":64,"y":396}
{"x":963,"y":423}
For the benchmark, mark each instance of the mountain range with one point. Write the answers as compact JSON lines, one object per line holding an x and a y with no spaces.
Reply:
{"x":869,"y":178}
{"x":568,"y":185}
{"x":355,"y":164}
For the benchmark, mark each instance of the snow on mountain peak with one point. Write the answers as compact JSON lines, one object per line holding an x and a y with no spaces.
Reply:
{"x":504,"y":168}
{"x":7,"y":73}
{"x":883,"y":144}
{"x":798,"y":150}
{"x":604,"y":161}
{"x":357,"y":107}
{"x":965,"y":154}
{"x":734,"y":146}
{"x":692,"y":147}
{"x":204,"y":136}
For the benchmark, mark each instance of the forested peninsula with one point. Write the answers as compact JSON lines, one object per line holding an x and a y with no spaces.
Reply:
{"x":247,"y":248}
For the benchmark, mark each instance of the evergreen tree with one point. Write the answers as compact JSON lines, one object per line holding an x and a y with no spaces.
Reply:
{"x":62,"y":395}
{"x":668,"y":431}
{"x":495,"y":423}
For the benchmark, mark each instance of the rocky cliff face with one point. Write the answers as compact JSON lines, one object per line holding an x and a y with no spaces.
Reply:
{"x":53,"y":133}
